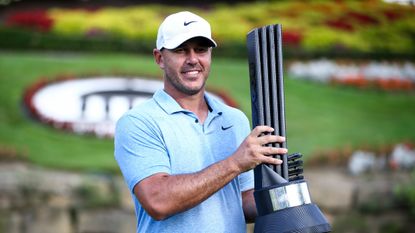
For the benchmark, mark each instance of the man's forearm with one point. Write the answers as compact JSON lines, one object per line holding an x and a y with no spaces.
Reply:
{"x":163,"y":195}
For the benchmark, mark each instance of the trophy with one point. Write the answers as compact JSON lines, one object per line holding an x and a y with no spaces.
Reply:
{"x":281,"y":193}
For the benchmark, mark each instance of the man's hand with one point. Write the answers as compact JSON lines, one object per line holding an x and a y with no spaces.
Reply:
{"x":253,"y":150}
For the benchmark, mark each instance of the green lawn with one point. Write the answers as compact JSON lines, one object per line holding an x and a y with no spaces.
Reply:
{"x":318,"y":117}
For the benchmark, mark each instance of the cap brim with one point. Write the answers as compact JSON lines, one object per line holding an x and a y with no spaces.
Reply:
{"x":178,"y":41}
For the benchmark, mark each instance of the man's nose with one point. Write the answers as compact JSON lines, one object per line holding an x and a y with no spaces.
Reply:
{"x":192,"y":57}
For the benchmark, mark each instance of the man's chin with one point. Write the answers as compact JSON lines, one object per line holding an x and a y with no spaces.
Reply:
{"x":192,"y":91}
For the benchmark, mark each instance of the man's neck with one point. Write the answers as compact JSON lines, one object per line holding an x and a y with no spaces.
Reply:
{"x":194,"y":103}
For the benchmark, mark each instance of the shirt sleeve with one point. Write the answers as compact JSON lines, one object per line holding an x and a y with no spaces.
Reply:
{"x":139,"y":149}
{"x":246,"y":179}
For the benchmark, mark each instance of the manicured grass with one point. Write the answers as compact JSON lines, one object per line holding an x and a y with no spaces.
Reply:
{"x":319,"y":117}
{"x":45,"y":145}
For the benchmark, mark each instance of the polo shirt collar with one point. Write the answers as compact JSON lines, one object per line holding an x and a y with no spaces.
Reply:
{"x":170,"y":105}
{"x":214,"y":107}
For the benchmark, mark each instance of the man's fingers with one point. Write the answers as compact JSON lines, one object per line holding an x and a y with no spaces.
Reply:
{"x":273,"y":150}
{"x":258,"y":149}
{"x":267,"y":139}
{"x":270,"y":160}
{"x":261,"y":129}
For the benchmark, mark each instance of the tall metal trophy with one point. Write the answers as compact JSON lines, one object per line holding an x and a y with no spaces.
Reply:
{"x":281,"y":193}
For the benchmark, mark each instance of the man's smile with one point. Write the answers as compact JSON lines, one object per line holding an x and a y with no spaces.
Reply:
{"x":191,"y":73}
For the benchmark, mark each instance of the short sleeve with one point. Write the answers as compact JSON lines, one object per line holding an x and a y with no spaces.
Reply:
{"x":246,"y":180}
{"x":139,"y":149}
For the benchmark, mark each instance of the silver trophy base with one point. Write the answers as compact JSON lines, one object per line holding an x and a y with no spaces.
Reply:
{"x":287,"y":208}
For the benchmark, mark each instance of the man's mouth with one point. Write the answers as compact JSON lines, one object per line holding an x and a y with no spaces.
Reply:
{"x":191,"y":72}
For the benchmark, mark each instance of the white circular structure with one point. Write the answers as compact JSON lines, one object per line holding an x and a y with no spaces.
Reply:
{"x":89,"y":105}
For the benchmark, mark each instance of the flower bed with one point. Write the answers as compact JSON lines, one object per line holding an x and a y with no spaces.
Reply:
{"x":332,"y":28}
{"x":36,"y":20}
{"x":386,"y":76}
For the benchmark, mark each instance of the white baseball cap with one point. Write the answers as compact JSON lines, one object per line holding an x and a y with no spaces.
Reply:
{"x":180,"y":27}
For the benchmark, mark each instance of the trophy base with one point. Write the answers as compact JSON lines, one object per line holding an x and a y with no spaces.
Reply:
{"x":300,"y":219}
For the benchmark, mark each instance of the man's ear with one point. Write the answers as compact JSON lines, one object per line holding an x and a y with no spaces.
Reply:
{"x":158,"y":58}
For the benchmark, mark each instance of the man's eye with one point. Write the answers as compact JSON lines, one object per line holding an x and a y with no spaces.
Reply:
{"x":178,"y":50}
{"x":202,"y":49}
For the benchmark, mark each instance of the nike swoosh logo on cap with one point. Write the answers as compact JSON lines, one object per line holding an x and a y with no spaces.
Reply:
{"x":187,"y":23}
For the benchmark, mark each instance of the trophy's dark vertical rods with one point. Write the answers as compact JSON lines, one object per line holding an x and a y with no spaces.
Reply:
{"x":273,"y":90}
{"x":256,"y":89}
{"x":281,"y":97}
{"x":265,"y":77}
{"x":260,"y":80}
{"x":256,"y":81}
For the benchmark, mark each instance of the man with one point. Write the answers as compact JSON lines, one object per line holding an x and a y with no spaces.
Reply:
{"x":187,"y":157}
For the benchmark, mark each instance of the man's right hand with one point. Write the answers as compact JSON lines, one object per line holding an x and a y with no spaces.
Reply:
{"x":253,"y":150}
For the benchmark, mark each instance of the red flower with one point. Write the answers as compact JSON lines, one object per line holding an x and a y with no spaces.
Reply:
{"x":361,"y":19}
{"x":347,"y":21}
{"x":392,"y":15}
{"x":36,"y":19}
{"x":340,"y":24}
{"x":291,"y":37}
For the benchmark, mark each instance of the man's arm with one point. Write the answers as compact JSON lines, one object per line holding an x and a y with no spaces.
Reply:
{"x":249,"y":206}
{"x":163,"y":195}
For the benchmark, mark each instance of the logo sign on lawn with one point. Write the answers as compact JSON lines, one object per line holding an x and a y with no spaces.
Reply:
{"x":90,"y":105}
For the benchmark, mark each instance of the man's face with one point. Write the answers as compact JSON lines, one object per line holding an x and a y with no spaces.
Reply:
{"x":186,"y":68}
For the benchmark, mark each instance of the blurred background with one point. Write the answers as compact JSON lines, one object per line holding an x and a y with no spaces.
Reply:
{"x":70,"y":68}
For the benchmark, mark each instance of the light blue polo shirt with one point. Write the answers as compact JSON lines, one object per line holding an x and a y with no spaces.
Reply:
{"x":160,"y":136}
